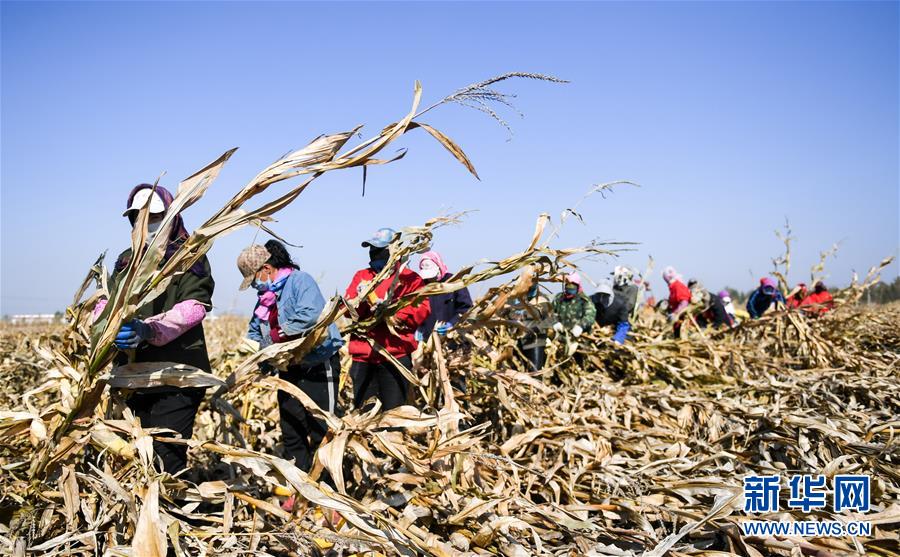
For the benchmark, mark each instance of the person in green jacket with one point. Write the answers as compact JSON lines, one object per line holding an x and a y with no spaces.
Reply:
{"x":575,"y":312}
{"x":167,"y":329}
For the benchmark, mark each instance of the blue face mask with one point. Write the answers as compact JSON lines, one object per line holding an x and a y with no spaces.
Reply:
{"x":571,"y":291}
{"x":262,"y":286}
{"x":532,"y":292}
{"x":377,"y":265}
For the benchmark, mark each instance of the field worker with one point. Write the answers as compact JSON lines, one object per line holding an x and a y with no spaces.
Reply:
{"x":679,"y":294}
{"x":820,"y":301}
{"x":575,"y":313}
{"x":612,"y":310}
{"x":372,"y":373}
{"x":288,"y":304}
{"x":763,"y":297}
{"x":797,"y":295}
{"x":446,"y":309}
{"x":167,"y":329}
{"x":625,"y":288}
{"x":710,"y":309}
{"x":728,"y":304}
{"x":534,"y":312}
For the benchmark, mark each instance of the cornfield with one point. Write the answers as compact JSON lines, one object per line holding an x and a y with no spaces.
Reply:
{"x":630,"y":449}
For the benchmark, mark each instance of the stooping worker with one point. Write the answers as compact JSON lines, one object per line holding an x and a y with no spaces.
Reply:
{"x":288,"y":305}
{"x":728,"y":304}
{"x":625,"y":289}
{"x":447,"y":308}
{"x":679,"y":294}
{"x":372,"y":373}
{"x":710,"y":309}
{"x":819,"y":302}
{"x":575,"y":313}
{"x":763,"y":297}
{"x":612,"y":311}
{"x":797,"y":295}
{"x":167,"y":329}
{"x":534,"y":313}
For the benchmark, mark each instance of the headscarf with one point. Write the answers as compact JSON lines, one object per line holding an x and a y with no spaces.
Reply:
{"x":435,"y":258}
{"x":177,"y":236}
{"x":820,"y":287}
{"x":670,"y":274}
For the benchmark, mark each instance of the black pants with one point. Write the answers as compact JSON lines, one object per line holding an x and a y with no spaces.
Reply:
{"x":171,"y":409}
{"x":302,"y":432}
{"x":383,"y":381}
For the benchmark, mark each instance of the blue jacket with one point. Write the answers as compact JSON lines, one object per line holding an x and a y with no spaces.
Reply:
{"x":759,"y":302}
{"x":300,"y":303}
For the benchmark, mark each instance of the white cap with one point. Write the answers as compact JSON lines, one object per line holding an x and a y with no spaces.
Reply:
{"x":140,"y":199}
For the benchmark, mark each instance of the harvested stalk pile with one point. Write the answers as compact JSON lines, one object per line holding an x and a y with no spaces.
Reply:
{"x":633,"y":449}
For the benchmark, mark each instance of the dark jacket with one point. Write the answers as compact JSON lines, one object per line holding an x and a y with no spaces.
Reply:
{"x":759,"y":302}
{"x":613,"y":314}
{"x":190,"y":347}
{"x":628,"y":295}
{"x":715,"y":314}
{"x":446,"y":307}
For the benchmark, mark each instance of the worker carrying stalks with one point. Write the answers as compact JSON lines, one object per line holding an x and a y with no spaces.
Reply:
{"x":373,"y":374}
{"x":575,"y":313}
{"x":612,"y":311}
{"x":167,"y":329}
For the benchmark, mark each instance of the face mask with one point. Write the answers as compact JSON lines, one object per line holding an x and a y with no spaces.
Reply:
{"x":262,"y":286}
{"x":571,"y":290}
{"x":428,"y":269}
{"x":377,"y":265}
{"x":532,"y":292}
{"x":152,"y":229}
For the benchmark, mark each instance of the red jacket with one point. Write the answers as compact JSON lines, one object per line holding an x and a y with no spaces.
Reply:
{"x":678,"y":293}
{"x":408,"y":319}
{"x":820,"y":302}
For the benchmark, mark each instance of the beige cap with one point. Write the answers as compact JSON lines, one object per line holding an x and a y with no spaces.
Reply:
{"x":250,"y":261}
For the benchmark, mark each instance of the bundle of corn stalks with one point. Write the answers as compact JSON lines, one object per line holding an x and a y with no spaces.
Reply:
{"x":629,"y":449}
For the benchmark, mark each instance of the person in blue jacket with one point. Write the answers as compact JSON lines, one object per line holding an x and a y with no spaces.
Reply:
{"x":446,"y":309}
{"x":289,"y":304}
{"x":612,"y":310}
{"x":763,"y":297}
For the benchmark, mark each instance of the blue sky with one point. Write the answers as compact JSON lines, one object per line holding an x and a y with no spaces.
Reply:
{"x":732,"y":116}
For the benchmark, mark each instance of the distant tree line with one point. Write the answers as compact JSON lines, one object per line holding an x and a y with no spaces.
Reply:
{"x":883,"y":292}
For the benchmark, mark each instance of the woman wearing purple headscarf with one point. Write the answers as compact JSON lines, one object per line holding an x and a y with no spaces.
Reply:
{"x":167,"y":329}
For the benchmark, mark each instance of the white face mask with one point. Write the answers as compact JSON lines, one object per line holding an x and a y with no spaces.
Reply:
{"x":152,"y":229}
{"x":428,"y":269}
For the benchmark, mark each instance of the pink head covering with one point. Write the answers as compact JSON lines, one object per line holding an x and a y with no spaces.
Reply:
{"x":670,"y":274}
{"x":436,"y":258}
{"x":768,"y":281}
{"x":574,"y":278}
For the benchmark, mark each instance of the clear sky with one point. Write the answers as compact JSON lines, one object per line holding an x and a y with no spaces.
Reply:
{"x":732,"y":116}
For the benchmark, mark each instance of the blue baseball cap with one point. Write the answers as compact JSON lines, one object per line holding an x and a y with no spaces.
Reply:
{"x":380,"y":239}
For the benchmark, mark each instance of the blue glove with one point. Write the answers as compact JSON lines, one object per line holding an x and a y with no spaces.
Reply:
{"x":442,"y":329}
{"x":621,"y":332}
{"x":132,"y":334}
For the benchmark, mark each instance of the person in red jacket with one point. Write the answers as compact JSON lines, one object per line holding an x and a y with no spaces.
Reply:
{"x":372,"y":373}
{"x":819,"y":302}
{"x":679,"y":296}
{"x":796,"y":297}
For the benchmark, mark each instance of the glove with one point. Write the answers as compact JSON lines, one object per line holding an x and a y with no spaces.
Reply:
{"x":673,"y":317}
{"x":442,"y":329}
{"x":418,"y":336}
{"x":132,"y":334}
{"x":558,"y":327}
{"x":577,"y":330}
